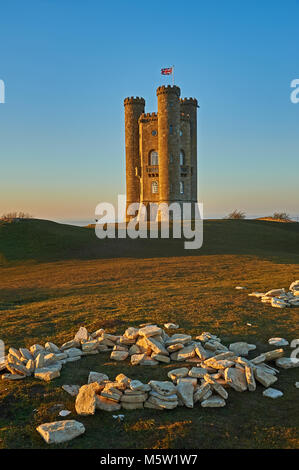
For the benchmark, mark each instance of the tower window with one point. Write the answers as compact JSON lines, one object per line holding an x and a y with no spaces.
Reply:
{"x":181,"y":132}
{"x":155,"y":187}
{"x":171,"y":158}
{"x":153,"y":158}
{"x":154,"y":132}
{"x":171,"y":129}
{"x":181,"y":187}
{"x":182,"y":158}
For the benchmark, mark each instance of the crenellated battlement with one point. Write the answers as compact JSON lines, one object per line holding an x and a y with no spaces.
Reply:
{"x":146,"y":117}
{"x":167,"y":89}
{"x":134,"y":100}
{"x":192,"y":101}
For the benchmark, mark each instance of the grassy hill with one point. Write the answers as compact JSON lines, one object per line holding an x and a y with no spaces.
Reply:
{"x":58,"y":277}
{"x":42,"y":240}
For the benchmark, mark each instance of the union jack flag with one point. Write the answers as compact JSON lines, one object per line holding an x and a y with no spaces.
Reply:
{"x":166,"y":71}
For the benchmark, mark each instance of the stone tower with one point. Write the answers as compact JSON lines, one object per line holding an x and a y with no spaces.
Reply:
{"x":161,"y":149}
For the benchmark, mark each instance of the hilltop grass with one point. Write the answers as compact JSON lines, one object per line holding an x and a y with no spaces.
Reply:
{"x":48,"y":300}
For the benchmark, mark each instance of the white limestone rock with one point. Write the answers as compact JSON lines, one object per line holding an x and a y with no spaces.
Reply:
{"x":98,"y":377}
{"x":185,"y":391}
{"x":287,"y":362}
{"x":213,"y":402}
{"x":272,"y":393}
{"x":60,"y":431}
{"x":278,"y":342}
{"x":86,"y":399}
{"x":241,"y":348}
{"x":82,"y":334}
{"x":72,"y":390}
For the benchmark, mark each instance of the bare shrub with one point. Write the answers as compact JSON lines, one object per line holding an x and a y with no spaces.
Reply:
{"x":236,"y":215}
{"x":281,"y":216}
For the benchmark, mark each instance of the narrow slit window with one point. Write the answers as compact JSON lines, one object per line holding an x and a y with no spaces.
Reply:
{"x":154,"y":187}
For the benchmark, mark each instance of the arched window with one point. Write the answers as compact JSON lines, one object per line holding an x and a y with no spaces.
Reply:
{"x":155,"y":187}
{"x":182,"y":157}
{"x":153,"y":158}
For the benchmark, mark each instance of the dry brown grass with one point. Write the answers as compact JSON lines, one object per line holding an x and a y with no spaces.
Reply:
{"x":50,"y":301}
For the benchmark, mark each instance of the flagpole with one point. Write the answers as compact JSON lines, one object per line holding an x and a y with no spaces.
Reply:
{"x":173,"y":74}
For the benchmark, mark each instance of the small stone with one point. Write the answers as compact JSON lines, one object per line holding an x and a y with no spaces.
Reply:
{"x":264,"y":378}
{"x":72,"y":390}
{"x":197,"y":372}
{"x":39,"y":361}
{"x":82,"y":334}
{"x":138,"y":386}
{"x":161,"y":404}
{"x":156,"y":346}
{"x":148,"y":361}
{"x":241,"y":348}
{"x":163,"y":388}
{"x":161,"y":358}
{"x":46,"y":373}
{"x":187,"y":352}
{"x":175,"y":347}
{"x":105,"y":404}
{"x":51,"y":347}
{"x":201,"y":352}
{"x":297,"y":384}
{"x":30,"y":366}
{"x":49,"y":359}
{"x":13,"y":377}
{"x":70,"y":345}
{"x":123,"y":379}
{"x":177,"y":373}
{"x":178,"y":338}
{"x":64,"y":413}
{"x":278,"y":303}
{"x":90,"y":345}
{"x":73,"y":352}
{"x":119,"y":355}
{"x":236,"y":379}
{"x":86,"y":399}
{"x":140,"y":398}
{"x":150,"y":330}
{"x":60,"y":431}
{"x":171,"y":326}
{"x":201,"y":392}
{"x":272,"y":393}
{"x":35,"y":349}
{"x":26,"y":354}
{"x":131,"y":333}
{"x":98,"y":333}
{"x":287,"y":362}
{"x":134,"y":349}
{"x":268,"y":356}
{"x":249,"y":374}
{"x":213,"y":402}
{"x":185,"y":392}
{"x":278,"y":342}
{"x":137,"y":359}
{"x":97,"y":377}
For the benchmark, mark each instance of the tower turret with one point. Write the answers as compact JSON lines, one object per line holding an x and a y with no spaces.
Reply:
{"x":134,"y":107}
{"x":169,"y":142}
{"x":189,"y":107}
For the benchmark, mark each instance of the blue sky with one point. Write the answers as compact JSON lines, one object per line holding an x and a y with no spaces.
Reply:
{"x":68,"y":65}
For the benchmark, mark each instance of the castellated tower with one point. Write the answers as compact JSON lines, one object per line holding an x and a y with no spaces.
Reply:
{"x":161,"y":149}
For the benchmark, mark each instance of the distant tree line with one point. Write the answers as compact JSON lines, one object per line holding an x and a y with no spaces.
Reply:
{"x":237,"y":215}
{"x":11,"y":216}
